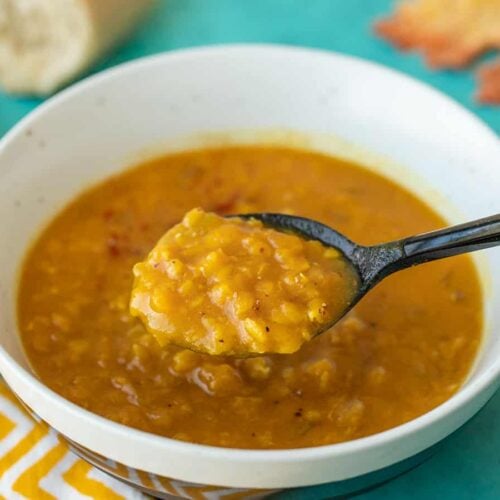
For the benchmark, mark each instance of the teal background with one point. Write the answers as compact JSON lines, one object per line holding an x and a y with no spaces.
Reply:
{"x":468,"y":464}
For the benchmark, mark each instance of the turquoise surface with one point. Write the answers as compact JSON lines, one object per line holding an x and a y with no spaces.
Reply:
{"x":468,"y":464}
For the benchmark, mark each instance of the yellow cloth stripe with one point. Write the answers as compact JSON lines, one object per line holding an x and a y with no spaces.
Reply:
{"x":76,"y":476}
{"x":6,"y":426}
{"x":145,"y":479}
{"x":27,"y":483}
{"x":167,"y":485}
{"x":120,"y":469}
{"x":8,"y":394}
{"x":198,"y":492}
{"x":38,"y":432}
{"x":243,"y":494}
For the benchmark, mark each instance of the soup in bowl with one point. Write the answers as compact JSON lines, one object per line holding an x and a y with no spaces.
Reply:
{"x":97,"y":175}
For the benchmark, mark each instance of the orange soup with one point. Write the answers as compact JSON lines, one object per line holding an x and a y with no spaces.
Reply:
{"x":404,"y":349}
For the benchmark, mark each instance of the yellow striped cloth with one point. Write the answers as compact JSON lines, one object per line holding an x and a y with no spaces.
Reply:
{"x":36,"y":465}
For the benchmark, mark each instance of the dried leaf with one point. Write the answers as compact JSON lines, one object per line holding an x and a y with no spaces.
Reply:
{"x":450,"y":33}
{"x":489,"y":83}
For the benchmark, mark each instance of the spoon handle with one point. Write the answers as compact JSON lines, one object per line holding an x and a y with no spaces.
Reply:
{"x":468,"y":237}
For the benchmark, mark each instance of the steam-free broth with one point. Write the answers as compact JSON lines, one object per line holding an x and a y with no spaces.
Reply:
{"x":404,"y":349}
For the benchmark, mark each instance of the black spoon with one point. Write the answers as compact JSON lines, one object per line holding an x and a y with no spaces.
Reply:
{"x":374,"y":263}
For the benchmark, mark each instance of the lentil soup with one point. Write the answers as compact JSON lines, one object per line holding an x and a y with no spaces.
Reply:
{"x":230,"y":286}
{"x":404,"y":349}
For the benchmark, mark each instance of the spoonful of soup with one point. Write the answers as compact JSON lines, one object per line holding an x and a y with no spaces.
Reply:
{"x":268,"y":283}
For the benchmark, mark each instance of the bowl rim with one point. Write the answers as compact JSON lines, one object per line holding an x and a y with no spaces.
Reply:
{"x":465,"y":394}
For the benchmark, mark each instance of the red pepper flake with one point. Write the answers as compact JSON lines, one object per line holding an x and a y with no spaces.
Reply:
{"x":108,"y":214}
{"x":113,"y":248}
{"x":226,"y":205}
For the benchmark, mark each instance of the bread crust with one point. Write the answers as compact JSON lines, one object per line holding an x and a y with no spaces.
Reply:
{"x":44,"y":44}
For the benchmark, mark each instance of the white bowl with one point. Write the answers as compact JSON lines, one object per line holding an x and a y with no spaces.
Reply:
{"x":100,"y":125}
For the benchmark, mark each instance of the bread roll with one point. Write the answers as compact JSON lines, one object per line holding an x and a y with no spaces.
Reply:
{"x":46,"y":43}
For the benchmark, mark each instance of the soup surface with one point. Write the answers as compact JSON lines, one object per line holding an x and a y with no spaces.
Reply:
{"x":404,"y":349}
{"x":230,"y":286}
